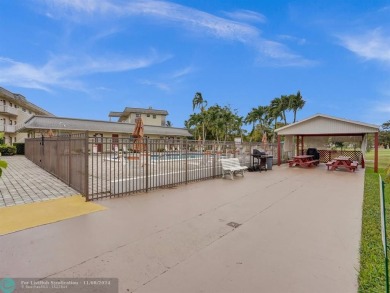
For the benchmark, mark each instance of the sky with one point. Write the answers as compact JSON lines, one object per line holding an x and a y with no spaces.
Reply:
{"x":85,"y":58}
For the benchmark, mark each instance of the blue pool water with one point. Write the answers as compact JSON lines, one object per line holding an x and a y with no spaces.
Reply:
{"x":176,"y":156}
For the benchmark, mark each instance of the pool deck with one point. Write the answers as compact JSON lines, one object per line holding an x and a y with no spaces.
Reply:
{"x":299,"y":231}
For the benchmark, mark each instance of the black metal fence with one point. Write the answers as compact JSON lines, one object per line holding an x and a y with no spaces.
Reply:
{"x":66,"y":157}
{"x":107,"y":167}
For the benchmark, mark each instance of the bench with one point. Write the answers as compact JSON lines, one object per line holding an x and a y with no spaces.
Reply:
{"x":310,"y":163}
{"x":330,"y":163}
{"x":352,"y":167}
{"x":232,"y":166}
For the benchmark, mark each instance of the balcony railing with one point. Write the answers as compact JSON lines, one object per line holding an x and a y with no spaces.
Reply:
{"x":7,"y":128}
{"x":8,"y":110}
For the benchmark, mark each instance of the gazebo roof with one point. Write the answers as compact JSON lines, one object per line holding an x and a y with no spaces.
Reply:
{"x":321,"y":124}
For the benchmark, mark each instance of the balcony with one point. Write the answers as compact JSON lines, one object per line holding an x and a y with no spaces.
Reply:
{"x":7,"y":110}
{"x":7,"y":128}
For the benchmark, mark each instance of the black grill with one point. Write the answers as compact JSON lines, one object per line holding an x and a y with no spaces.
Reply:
{"x":261,"y":160}
{"x":256,"y":153}
{"x":313,"y":152}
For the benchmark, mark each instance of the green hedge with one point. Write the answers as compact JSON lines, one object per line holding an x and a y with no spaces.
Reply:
{"x":7,"y":150}
{"x":19,"y":148}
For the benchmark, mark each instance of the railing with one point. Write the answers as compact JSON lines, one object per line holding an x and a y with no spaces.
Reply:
{"x":8,"y":110}
{"x":328,"y":155}
{"x":9,"y":128}
{"x":65,"y":157}
{"x":104,"y":167}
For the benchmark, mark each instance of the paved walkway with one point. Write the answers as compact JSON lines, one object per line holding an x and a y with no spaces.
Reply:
{"x":299,"y":231}
{"x":24,"y":182}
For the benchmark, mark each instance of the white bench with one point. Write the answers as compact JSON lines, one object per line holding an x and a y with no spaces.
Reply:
{"x":232,"y":166}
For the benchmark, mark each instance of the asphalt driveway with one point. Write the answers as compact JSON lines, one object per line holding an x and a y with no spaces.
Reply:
{"x":285,"y":230}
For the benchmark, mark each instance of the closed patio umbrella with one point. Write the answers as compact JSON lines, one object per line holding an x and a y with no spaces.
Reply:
{"x":264,"y":140}
{"x":138,"y":134}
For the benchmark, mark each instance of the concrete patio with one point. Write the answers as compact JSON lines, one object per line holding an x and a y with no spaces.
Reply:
{"x":299,"y":232}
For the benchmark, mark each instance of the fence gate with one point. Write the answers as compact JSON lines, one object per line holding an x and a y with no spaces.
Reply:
{"x":65,"y":157}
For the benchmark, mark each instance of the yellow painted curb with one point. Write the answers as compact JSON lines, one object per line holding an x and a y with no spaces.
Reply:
{"x":20,"y":217}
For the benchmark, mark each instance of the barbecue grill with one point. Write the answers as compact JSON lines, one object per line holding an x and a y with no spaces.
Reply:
{"x":313,"y":152}
{"x":259,"y":160}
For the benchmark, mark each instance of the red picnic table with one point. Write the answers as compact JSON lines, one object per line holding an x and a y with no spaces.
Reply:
{"x":342,"y":162}
{"x":303,"y":160}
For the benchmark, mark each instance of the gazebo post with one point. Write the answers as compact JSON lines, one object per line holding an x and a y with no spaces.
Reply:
{"x":376,"y":144}
{"x":297,"y":145}
{"x":302,"y":145}
{"x":279,"y":152}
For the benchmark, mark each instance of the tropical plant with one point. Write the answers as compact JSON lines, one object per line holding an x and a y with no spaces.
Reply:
{"x":193,"y":124}
{"x":256,"y":115}
{"x":3,"y":165}
{"x":296,"y":103}
{"x":199,"y":102}
{"x":284,"y":106}
{"x":275,"y":110}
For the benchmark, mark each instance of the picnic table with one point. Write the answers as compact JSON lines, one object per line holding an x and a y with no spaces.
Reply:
{"x":303,"y":160}
{"x":342,"y":162}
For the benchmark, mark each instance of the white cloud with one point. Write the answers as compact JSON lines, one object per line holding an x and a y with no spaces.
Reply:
{"x":182,"y":72}
{"x":188,"y":18}
{"x":159,"y":85}
{"x":246,"y":15}
{"x":62,"y":70}
{"x":280,"y":56}
{"x":371,"y":45}
{"x":299,"y":41}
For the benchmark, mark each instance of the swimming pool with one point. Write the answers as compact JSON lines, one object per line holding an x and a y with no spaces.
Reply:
{"x":177,"y":156}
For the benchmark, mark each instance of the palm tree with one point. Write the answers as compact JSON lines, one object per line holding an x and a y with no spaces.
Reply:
{"x":284,"y":106}
{"x":199,"y":102}
{"x":168,"y":123}
{"x":296,"y":103}
{"x":192,"y":124}
{"x":275,"y":110}
{"x":256,"y":115}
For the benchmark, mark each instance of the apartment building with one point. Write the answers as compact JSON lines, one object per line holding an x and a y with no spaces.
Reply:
{"x":150,"y":116}
{"x":14,"y":111}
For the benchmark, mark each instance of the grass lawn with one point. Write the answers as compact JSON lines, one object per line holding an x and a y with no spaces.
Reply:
{"x":372,"y":273}
{"x":384,"y":158}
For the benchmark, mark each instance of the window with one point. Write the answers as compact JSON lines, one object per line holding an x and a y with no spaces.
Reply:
{"x":147,"y":115}
{"x":10,"y":104}
{"x":23,"y":109}
{"x":137,"y":115}
{"x":154,"y":116}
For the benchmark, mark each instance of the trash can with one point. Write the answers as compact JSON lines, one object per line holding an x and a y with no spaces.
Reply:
{"x":270,"y":160}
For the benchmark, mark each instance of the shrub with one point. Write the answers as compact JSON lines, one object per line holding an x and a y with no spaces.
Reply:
{"x":19,"y":148}
{"x":3,"y":165}
{"x":7,"y":150}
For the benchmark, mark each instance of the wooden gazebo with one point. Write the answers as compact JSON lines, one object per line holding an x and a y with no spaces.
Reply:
{"x":320,"y":126}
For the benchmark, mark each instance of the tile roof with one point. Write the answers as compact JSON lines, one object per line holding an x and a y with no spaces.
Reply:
{"x":73,"y":124}
{"x":129,"y":110}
